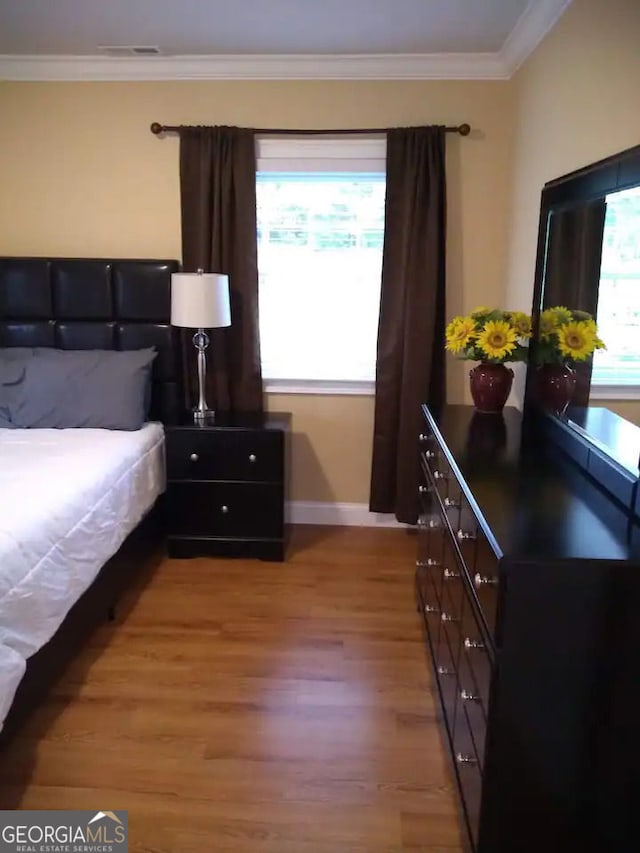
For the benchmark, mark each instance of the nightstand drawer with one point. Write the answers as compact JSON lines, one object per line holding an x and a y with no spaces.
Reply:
{"x":245,"y":455}
{"x":225,"y":510}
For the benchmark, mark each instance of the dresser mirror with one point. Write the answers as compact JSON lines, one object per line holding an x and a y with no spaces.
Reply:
{"x":588,"y":259}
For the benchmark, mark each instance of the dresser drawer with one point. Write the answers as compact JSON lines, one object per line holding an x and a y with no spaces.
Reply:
{"x":473,"y":651}
{"x":245,"y":455}
{"x":225,"y":510}
{"x":452,"y":584}
{"x":469,"y":773}
{"x":471,"y":703}
{"x":441,"y":476}
{"x":447,"y":676}
{"x":485,"y":579}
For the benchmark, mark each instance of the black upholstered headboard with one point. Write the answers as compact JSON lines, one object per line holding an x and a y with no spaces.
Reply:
{"x":96,"y":303}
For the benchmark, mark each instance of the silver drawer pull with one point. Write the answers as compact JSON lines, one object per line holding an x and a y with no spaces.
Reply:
{"x":444,"y":670}
{"x":468,"y":697}
{"x":439,"y":475}
{"x":432,"y":563}
{"x":430,"y":608}
{"x":424,"y":437}
{"x":449,"y":575}
{"x":464,"y":536}
{"x":422,"y":490}
{"x":462,"y":758}
{"x":449,"y":503}
{"x":446,"y":617}
{"x":472,"y":644}
{"x":430,"y":454}
{"x":426,"y":564}
{"x":224,"y":508}
{"x":252,"y":457}
{"x":194,"y":457}
{"x":433,"y":524}
{"x":481,"y":580}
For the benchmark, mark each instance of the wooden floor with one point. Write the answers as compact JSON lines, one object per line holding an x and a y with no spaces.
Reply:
{"x":249,"y":706}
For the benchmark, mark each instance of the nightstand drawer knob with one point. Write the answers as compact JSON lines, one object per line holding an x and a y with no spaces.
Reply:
{"x":224,"y":508}
{"x":194,"y":457}
{"x":252,"y":457}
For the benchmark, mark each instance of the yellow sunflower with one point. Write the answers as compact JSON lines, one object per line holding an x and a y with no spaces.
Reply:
{"x":497,"y":339}
{"x":576,"y":340}
{"x":521,"y":323}
{"x":548,"y":323}
{"x":459,"y":334}
{"x":562,"y":314}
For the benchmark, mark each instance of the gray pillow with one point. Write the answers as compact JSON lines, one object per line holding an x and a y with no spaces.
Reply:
{"x":106,"y":389}
{"x":12,"y":371}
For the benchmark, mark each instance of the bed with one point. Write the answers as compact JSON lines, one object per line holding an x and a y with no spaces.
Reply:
{"x":79,"y":507}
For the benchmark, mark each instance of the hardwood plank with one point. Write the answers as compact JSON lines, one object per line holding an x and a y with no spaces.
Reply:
{"x":247,"y":706}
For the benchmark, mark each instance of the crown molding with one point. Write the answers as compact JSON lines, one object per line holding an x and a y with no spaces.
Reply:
{"x":539,"y":17}
{"x":442,"y":66}
{"x":532,"y":26}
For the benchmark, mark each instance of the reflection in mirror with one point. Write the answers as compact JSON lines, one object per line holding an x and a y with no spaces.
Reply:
{"x":618,"y":308}
{"x":572,"y":271}
{"x":589,"y":261}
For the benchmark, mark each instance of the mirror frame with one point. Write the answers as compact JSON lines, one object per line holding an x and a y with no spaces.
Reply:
{"x":618,"y":172}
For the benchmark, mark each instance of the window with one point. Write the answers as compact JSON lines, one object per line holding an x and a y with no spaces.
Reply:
{"x":618,"y":316}
{"x":320,"y":232}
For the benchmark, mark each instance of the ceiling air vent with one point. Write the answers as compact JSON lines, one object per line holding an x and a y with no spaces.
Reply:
{"x":129,"y":50}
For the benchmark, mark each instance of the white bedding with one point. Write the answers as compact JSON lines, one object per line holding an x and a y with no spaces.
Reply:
{"x":68,"y":500}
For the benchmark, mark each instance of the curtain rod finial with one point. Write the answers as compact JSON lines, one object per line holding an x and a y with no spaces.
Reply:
{"x":464,"y":130}
{"x":156,"y":128}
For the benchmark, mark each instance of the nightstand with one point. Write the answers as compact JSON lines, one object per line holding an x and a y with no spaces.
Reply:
{"x":227,"y":486}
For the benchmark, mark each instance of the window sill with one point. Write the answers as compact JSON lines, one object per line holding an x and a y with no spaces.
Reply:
{"x":317,"y":386}
{"x":614,"y":392}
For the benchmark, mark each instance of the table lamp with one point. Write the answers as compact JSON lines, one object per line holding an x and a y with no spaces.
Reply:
{"x":200,"y":300}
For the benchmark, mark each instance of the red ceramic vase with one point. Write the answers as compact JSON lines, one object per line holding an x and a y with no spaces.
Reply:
{"x":555,"y":384}
{"x":490,"y":386}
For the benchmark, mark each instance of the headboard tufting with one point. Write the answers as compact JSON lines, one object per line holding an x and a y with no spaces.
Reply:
{"x":96,"y":303}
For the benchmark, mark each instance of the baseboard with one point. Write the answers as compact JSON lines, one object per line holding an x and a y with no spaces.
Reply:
{"x":341,"y":514}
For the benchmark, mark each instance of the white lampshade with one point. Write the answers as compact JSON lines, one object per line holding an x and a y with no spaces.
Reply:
{"x":200,"y":300}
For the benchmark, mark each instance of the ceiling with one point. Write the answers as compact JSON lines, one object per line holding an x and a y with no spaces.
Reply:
{"x":79,"y":30}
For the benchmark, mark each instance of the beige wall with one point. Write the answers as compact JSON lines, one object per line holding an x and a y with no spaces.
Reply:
{"x":81,"y":175}
{"x":577,"y":101}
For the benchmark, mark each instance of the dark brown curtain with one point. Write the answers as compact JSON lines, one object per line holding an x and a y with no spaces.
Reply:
{"x":219,"y":234}
{"x":572,"y":270}
{"x":410,"y":367}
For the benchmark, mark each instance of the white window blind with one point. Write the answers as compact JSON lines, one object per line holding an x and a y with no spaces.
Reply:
{"x":320,"y":233}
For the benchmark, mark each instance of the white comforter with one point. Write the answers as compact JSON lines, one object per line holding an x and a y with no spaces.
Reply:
{"x":68,"y":499}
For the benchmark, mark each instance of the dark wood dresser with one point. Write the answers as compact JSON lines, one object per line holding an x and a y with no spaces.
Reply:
{"x":227,"y":486}
{"x":528,"y":579}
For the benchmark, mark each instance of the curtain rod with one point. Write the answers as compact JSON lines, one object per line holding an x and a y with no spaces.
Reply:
{"x":462,"y":129}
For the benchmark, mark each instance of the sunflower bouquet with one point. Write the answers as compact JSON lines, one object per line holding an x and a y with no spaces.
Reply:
{"x":489,"y":335}
{"x":566,"y":336}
